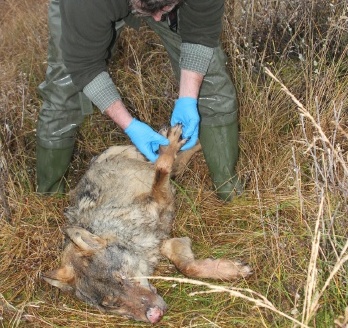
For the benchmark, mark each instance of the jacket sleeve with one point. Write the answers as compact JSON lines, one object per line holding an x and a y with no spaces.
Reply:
{"x":200,"y":22}
{"x":87,"y":38}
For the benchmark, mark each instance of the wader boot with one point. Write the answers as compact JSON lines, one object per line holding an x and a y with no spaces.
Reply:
{"x":51,"y":166}
{"x":220,"y":149}
{"x":62,"y":112}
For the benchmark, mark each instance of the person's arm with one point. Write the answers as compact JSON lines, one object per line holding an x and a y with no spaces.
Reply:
{"x":200,"y":28}
{"x":118,"y":112}
{"x":185,"y":111}
{"x":143,"y":137}
{"x":190,"y":83}
{"x":103,"y":93}
{"x":87,"y":38}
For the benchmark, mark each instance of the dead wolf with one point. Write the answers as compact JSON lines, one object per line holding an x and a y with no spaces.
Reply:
{"x":120,"y":221}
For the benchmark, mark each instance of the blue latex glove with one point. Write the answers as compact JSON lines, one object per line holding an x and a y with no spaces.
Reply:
{"x":186,"y":113}
{"x":145,"y":139}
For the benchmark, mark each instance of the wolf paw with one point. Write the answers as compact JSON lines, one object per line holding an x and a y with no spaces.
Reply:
{"x":174,"y":137}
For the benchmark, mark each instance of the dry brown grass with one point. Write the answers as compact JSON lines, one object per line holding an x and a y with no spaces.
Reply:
{"x":291,"y":222}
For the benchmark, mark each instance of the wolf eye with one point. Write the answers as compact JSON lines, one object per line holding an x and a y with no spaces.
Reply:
{"x":144,"y":300}
{"x":110,"y":305}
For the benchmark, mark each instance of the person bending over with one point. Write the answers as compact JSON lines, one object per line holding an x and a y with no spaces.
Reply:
{"x":83,"y":34}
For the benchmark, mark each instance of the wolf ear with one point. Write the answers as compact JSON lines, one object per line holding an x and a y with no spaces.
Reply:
{"x":63,"y":278}
{"x":85,"y":240}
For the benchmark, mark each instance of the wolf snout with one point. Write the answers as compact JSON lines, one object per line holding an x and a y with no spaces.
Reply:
{"x":155,"y":314}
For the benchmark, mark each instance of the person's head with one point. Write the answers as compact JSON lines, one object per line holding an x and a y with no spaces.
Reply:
{"x":153,"y":8}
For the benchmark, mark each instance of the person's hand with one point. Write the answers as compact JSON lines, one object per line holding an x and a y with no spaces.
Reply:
{"x":145,"y":139}
{"x":186,"y":113}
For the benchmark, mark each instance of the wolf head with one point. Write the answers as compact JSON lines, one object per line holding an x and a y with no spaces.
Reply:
{"x":106,"y":275}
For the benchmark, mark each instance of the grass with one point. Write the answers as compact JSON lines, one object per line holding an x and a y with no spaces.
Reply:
{"x":289,"y":64}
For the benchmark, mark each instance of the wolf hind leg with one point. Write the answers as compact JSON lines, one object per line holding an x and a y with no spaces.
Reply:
{"x":182,"y":159}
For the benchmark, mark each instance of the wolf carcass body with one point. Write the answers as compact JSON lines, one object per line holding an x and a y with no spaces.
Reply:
{"x":120,"y":222}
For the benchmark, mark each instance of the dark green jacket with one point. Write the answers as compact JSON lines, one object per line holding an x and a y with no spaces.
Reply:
{"x":88,"y":31}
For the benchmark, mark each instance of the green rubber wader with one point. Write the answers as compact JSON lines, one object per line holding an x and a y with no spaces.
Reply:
{"x":63,"y":111}
{"x":221,"y":153}
{"x":56,"y":161}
